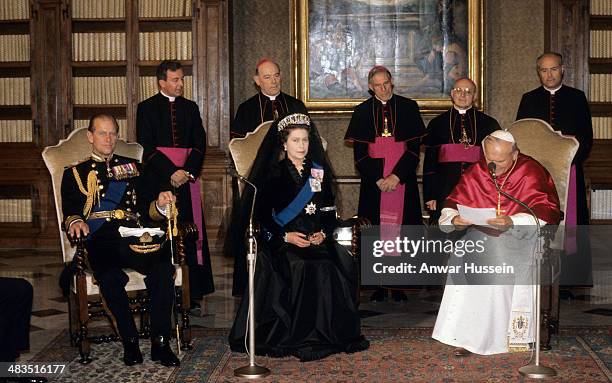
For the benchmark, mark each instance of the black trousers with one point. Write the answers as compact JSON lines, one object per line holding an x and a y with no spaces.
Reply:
{"x":107,"y":259}
{"x":15,"y":311}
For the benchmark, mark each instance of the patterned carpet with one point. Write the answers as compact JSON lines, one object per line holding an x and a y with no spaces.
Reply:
{"x":395,"y":355}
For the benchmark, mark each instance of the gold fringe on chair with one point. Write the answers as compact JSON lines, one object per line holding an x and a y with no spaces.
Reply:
{"x":517,"y":347}
{"x":92,"y":192}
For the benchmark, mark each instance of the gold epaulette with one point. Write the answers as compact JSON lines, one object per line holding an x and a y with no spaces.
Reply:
{"x":92,"y":192}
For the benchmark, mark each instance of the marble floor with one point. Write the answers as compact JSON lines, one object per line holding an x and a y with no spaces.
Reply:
{"x":586,"y":308}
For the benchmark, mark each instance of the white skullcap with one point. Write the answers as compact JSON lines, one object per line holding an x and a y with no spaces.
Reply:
{"x":503,"y":135}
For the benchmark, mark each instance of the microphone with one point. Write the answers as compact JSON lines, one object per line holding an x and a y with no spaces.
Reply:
{"x":252,"y":370}
{"x":491,"y":166}
{"x":234,"y":173}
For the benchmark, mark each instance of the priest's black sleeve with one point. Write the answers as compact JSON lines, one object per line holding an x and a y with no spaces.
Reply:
{"x":584,"y":133}
{"x":239,"y":126}
{"x":405,"y":168}
{"x":368,"y":167}
{"x":197,"y":143}
{"x":145,"y":133}
{"x":524,"y":110}
{"x":430,"y":167}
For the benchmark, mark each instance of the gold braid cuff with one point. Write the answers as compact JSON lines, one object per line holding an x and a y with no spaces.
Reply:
{"x":154,"y":213}
{"x":92,"y":192}
{"x":70,"y":219}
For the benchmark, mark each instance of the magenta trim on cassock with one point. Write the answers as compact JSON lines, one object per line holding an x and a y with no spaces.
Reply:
{"x":178,"y":156}
{"x":459,"y":153}
{"x":391,"y":203}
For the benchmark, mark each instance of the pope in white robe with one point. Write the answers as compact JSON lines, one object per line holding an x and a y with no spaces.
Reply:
{"x":495,"y":318}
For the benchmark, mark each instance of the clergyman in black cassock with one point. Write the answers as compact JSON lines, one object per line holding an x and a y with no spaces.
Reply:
{"x":386,"y":132}
{"x":566,"y":109}
{"x":168,"y":120}
{"x":260,"y":108}
{"x":405,"y":125}
{"x":452,"y":144}
{"x":269,"y":104}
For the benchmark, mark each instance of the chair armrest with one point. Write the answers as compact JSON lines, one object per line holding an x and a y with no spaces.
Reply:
{"x":79,"y":261}
{"x":356,"y":224}
{"x":187,"y":231}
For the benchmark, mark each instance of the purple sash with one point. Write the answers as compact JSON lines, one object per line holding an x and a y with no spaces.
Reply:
{"x":391,"y":203}
{"x":178,"y":156}
{"x":459,"y":153}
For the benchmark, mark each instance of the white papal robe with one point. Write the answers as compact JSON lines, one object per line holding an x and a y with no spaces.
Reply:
{"x":478,"y":317}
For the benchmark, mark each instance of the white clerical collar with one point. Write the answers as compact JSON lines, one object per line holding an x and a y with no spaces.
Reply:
{"x":460,"y":110}
{"x":383,"y":102}
{"x":272,"y":98}
{"x":552,"y":91}
{"x":168,"y":97}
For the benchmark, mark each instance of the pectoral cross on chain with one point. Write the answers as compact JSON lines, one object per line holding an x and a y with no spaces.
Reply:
{"x":465,"y":140}
{"x":386,"y":132}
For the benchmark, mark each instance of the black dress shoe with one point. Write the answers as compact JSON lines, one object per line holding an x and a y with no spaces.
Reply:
{"x":131,"y":352}
{"x":161,"y":351}
{"x":398,"y":296}
{"x":379,"y":295}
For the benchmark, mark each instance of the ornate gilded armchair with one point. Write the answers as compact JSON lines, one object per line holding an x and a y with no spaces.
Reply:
{"x":555,"y":152}
{"x":85,"y":303}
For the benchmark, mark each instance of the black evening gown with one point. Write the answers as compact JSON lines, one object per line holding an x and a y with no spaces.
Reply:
{"x":304,"y":297}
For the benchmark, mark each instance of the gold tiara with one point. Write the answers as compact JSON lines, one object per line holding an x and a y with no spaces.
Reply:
{"x":294,"y":119}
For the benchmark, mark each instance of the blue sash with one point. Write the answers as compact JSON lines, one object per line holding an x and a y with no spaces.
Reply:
{"x":111,"y":199}
{"x":299,"y":202}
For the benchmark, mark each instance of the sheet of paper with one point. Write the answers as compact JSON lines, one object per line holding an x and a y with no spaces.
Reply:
{"x":478,"y":216}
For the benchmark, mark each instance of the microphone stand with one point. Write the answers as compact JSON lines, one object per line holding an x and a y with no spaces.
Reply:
{"x":535,"y":370}
{"x":252,"y":370}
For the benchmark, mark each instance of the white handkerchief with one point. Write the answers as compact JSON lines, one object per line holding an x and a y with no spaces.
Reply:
{"x":138,"y":231}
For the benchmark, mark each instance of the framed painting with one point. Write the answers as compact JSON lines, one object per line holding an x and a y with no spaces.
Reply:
{"x":426,"y":44}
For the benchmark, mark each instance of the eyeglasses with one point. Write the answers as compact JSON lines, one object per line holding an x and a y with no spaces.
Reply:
{"x":467,"y":91}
